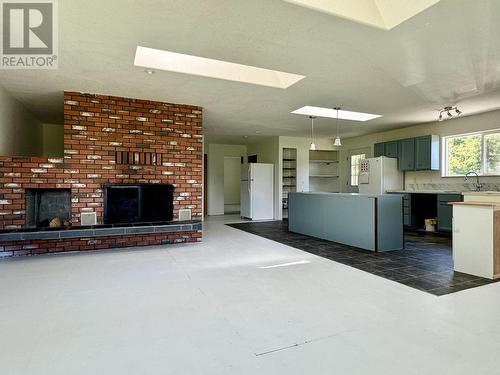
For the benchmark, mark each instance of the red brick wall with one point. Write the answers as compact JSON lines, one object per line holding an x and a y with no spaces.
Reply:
{"x":95,"y":128}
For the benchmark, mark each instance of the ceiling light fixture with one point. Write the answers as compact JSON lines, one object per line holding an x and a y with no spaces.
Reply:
{"x":312,"y":147}
{"x":337,"y":141}
{"x":449,"y":112}
{"x":150,"y":72}
{"x":332,"y":113}
{"x":177,"y":62}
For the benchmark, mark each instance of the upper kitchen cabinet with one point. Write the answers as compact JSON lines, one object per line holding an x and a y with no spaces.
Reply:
{"x":389,"y":149}
{"x":392,"y":149}
{"x":378,"y":150}
{"x":407,"y":155}
{"x":414,"y":154}
{"x":427,"y":153}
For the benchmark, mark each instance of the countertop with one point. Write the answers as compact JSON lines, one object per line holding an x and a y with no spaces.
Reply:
{"x":464,"y":192}
{"x":495,"y":206}
{"x":336,"y":194}
{"x":481,"y":193}
{"x":426,"y":191}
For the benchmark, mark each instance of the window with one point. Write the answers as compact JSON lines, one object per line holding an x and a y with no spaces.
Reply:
{"x":355,"y":160}
{"x":477,"y":152}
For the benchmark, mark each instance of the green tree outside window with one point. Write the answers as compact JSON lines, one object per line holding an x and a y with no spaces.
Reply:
{"x":465,"y":153}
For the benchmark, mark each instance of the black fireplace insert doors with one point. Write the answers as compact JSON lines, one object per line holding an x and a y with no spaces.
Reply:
{"x":138,"y":203}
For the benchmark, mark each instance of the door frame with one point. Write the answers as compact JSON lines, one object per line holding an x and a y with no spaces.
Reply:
{"x":349,"y":154}
{"x":205,"y":185}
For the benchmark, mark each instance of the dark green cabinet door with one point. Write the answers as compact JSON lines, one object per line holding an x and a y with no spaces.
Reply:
{"x":423,"y":153}
{"x":445,"y":211}
{"x":392,"y":149}
{"x":407,"y":216}
{"x":445,"y":214}
{"x":407,"y":160}
{"x":379,"y":150}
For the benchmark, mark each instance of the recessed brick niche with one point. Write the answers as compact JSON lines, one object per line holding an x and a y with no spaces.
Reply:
{"x":110,"y":140}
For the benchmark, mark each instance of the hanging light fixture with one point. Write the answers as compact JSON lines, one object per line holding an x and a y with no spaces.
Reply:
{"x":312,"y":147}
{"x":337,"y":141}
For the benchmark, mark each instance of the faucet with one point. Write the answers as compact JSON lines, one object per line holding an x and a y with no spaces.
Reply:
{"x":479,"y":186}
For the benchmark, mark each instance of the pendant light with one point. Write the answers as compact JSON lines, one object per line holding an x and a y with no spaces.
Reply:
{"x":337,"y":141}
{"x":312,"y":147}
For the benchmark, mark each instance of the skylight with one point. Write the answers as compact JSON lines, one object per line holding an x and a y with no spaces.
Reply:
{"x":176,"y":62}
{"x":383,"y":14}
{"x":332,"y":113}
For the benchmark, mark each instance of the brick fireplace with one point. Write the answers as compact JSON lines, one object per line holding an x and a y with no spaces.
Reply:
{"x":110,"y":141}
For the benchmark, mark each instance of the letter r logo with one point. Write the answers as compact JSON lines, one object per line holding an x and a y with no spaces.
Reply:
{"x":27,"y":28}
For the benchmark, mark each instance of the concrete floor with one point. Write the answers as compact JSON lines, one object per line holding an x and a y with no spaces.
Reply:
{"x":211,"y":308}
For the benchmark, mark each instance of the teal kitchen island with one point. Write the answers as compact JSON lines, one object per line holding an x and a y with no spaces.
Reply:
{"x":370,"y":222}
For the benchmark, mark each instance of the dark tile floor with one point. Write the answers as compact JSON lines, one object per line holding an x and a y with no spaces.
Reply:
{"x":426,"y":262}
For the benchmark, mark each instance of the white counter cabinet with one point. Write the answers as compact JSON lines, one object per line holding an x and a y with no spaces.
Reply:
{"x":476,"y":238}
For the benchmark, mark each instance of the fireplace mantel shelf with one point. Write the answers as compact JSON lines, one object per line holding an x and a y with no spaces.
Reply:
{"x":98,"y":231}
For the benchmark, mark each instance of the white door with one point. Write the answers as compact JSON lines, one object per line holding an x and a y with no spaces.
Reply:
{"x":352,"y":168}
{"x":232,"y":188}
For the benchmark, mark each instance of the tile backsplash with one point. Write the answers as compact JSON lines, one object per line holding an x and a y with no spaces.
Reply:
{"x":434,"y":181}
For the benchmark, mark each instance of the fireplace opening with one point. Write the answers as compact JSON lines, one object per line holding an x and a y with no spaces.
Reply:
{"x":138,"y":203}
{"x":46,"y":206}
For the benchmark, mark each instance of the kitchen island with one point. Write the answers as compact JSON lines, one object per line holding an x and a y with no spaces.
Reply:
{"x":370,"y":222}
{"x":476,"y":235}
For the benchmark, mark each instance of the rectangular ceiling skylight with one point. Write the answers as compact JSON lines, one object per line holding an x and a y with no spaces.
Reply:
{"x":332,"y":113}
{"x":176,"y":62}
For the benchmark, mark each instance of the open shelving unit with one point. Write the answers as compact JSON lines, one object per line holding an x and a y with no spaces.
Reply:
{"x":324,"y":171}
{"x":289,"y":180}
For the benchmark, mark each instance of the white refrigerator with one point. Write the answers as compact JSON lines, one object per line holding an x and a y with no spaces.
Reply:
{"x":257,"y":191}
{"x":378,"y":175}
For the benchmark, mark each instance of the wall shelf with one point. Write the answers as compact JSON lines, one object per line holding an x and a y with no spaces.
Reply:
{"x":289,"y":176}
{"x":323,"y":161}
{"x":324,"y":171}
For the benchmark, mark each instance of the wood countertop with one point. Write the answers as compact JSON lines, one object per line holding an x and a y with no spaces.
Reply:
{"x":494,"y":205}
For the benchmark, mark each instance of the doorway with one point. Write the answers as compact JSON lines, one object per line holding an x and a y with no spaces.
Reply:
{"x":232,"y":171}
{"x":352,"y":168}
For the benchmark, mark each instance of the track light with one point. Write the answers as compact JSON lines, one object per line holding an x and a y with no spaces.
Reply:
{"x":450,"y":111}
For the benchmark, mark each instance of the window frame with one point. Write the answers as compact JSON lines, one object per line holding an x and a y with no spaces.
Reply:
{"x":484,"y":161}
{"x":351,"y":167}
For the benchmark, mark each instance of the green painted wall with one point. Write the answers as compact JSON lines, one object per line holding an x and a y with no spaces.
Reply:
{"x":20,"y":131}
{"x":52,"y":140}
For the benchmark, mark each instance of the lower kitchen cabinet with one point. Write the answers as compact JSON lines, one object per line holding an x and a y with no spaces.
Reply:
{"x":407,"y":218}
{"x":445,"y":211}
{"x":418,"y":207}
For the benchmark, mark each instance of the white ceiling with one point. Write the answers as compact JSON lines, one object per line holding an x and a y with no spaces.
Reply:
{"x":447,"y":54}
